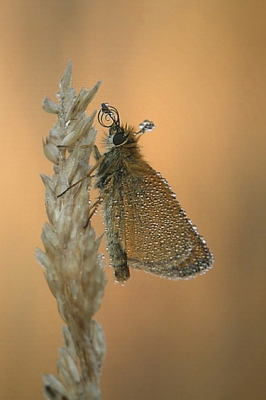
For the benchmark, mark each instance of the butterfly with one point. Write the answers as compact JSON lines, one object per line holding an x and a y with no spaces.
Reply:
{"x":145,"y":225}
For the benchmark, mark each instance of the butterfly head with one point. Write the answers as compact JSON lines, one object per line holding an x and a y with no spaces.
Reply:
{"x":118,"y":134}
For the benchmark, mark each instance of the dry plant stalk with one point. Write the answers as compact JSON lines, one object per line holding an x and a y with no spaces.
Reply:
{"x":73,"y":268}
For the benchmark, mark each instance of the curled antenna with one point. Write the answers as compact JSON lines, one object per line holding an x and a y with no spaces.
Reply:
{"x":145,"y":126}
{"x":108,"y":116}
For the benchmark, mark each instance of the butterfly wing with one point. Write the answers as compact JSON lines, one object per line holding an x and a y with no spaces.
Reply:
{"x":154,"y":231}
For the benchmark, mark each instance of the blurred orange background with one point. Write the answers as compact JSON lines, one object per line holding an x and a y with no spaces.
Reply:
{"x":197,"y":69}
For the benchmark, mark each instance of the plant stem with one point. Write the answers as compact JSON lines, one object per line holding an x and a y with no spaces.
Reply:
{"x":73,"y":268}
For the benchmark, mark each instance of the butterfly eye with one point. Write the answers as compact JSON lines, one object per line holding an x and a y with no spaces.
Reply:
{"x":117,"y":134}
{"x":119,"y":138}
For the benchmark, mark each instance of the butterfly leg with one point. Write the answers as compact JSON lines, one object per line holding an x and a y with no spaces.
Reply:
{"x":93,"y":208}
{"x":96,"y":152}
{"x":86,"y":176}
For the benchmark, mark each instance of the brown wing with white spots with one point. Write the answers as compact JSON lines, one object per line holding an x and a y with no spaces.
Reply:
{"x":154,"y":230}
